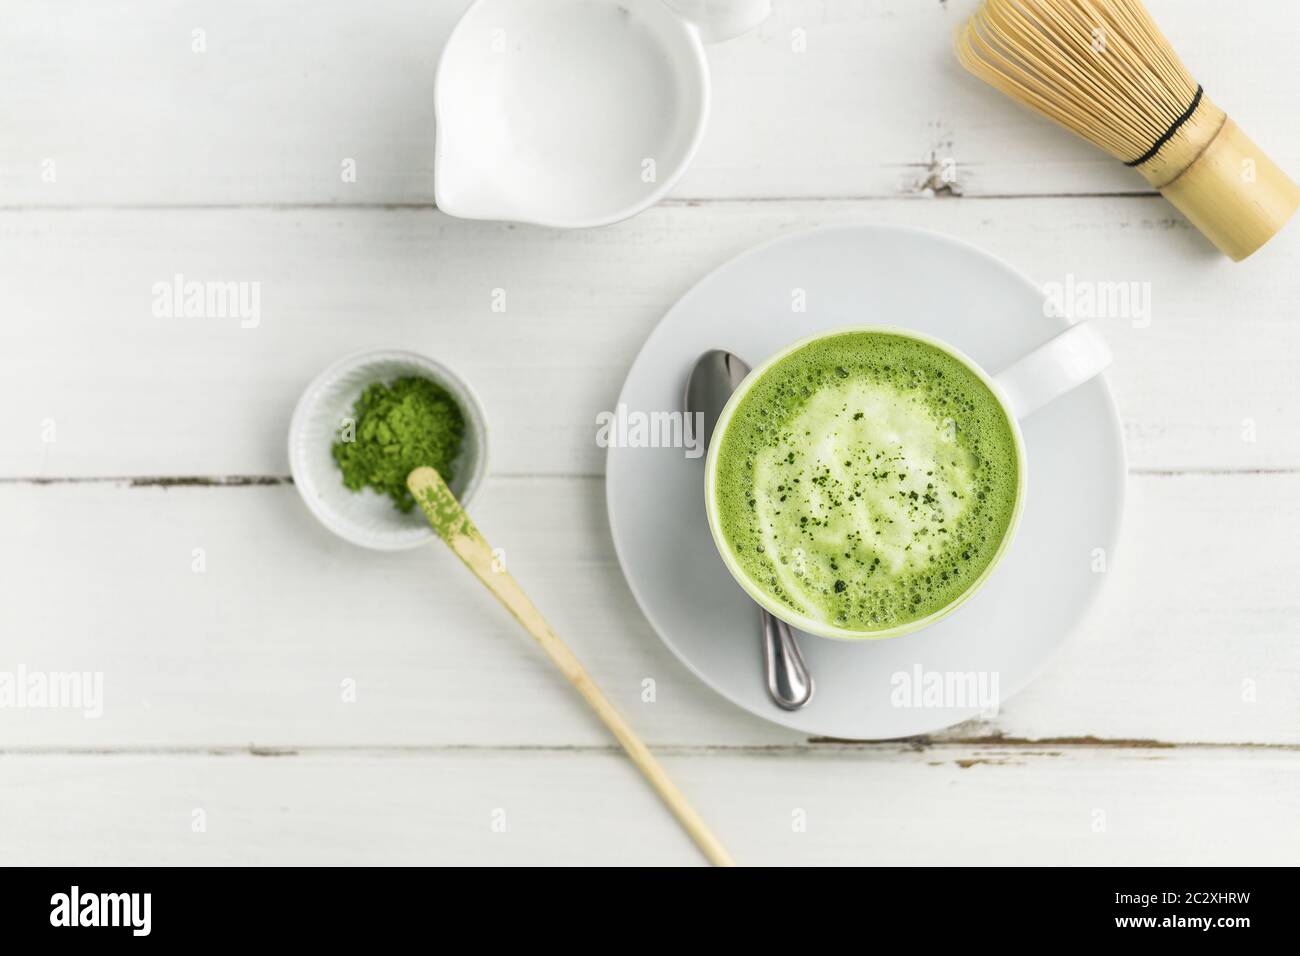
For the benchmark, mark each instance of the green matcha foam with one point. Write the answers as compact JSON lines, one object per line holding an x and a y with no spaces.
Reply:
{"x":867,"y":480}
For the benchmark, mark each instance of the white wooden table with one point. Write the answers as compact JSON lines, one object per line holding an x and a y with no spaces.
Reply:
{"x":137,"y":449}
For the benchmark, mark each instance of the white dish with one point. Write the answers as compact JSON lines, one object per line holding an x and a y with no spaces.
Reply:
{"x":365,"y":517}
{"x":863,"y":275}
{"x":573,"y":113}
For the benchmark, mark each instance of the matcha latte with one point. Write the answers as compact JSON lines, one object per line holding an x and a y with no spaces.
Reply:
{"x":865,"y":481}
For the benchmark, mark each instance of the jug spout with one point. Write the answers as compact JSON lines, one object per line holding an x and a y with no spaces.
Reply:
{"x":718,"y":20}
{"x":466,"y":190}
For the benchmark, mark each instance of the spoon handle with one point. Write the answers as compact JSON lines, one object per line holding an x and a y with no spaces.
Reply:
{"x":453,"y":525}
{"x":788,"y":681}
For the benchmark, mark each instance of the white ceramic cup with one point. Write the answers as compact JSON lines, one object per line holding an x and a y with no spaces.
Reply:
{"x":1045,"y":374}
{"x":574,"y":113}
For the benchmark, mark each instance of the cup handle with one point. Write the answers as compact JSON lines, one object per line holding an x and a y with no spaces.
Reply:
{"x":718,"y":20}
{"x":1064,"y":363}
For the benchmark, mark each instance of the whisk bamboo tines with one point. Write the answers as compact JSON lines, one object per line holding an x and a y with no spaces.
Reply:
{"x":1103,"y":69}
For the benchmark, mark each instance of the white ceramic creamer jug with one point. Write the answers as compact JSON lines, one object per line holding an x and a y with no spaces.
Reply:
{"x":573,"y":113}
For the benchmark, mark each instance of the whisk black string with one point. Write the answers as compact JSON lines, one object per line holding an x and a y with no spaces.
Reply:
{"x":1169,"y":133}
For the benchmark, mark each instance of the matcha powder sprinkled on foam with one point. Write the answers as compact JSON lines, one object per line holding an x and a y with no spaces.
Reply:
{"x":396,"y":429}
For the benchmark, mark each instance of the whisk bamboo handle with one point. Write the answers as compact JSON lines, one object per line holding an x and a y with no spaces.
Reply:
{"x":453,"y":525}
{"x":1103,"y":69}
{"x":1223,"y":183}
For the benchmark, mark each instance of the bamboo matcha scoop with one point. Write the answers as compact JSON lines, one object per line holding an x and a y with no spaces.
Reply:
{"x":453,"y":525}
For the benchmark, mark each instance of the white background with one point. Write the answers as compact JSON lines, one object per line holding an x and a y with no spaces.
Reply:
{"x":1174,"y":717}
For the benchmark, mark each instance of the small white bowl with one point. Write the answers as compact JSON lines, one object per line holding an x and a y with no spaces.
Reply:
{"x":366,"y":517}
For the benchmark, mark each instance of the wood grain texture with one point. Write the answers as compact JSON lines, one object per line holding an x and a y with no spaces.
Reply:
{"x":1193,"y":642}
{"x":1206,"y":383}
{"x":888,"y":805}
{"x":119,"y":139}
{"x":463,"y":539}
{"x":843,"y":98}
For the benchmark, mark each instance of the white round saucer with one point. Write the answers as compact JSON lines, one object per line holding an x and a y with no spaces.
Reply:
{"x":1002,"y":636}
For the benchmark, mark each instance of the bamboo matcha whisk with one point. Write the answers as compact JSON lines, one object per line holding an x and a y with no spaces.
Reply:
{"x":1103,"y":69}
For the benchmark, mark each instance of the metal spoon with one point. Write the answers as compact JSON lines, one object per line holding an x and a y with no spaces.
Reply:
{"x":715,"y":376}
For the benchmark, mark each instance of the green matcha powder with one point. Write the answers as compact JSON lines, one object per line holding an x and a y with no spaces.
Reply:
{"x":397,"y":428}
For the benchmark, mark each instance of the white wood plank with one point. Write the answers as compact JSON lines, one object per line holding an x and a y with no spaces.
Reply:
{"x":285,"y":92}
{"x":1194,"y":640}
{"x":132,"y":394}
{"x":948,"y":805}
